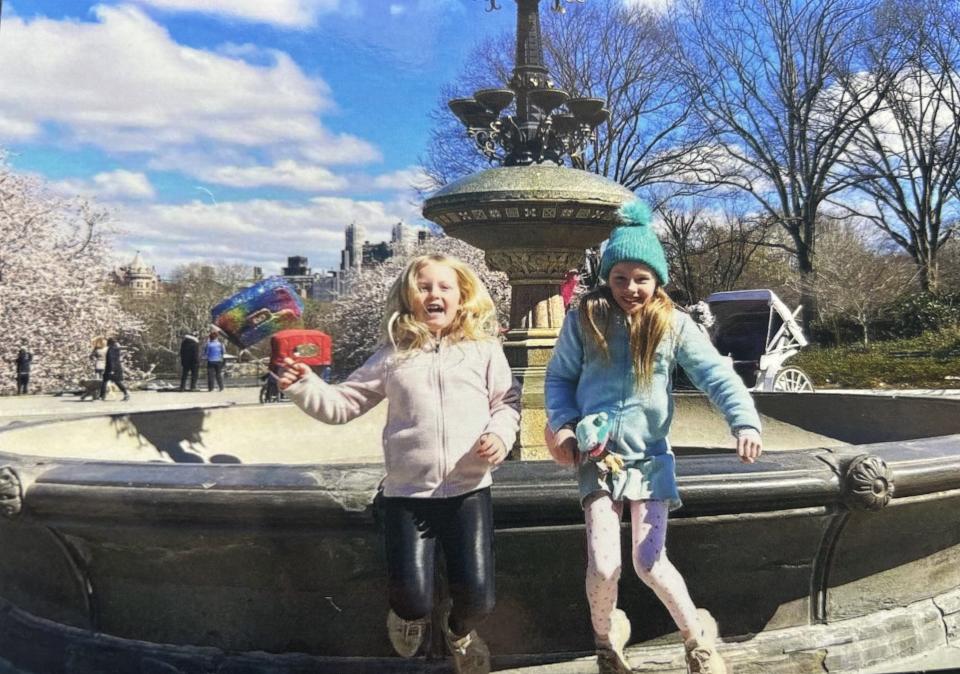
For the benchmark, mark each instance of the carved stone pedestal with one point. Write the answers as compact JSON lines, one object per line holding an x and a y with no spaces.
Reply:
{"x":536,"y":315}
{"x":534,"y":223}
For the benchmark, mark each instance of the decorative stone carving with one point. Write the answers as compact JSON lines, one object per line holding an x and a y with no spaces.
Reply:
{"x":868,"y":484}
{"x":534,"y":265}
{"x":11,"y":492}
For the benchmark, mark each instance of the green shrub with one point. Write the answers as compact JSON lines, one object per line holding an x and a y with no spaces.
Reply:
{"x":922,"y":362}
{"x":924,"y":312}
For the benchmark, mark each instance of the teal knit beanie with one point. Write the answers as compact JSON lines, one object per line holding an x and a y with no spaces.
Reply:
{"x":635,"y":241}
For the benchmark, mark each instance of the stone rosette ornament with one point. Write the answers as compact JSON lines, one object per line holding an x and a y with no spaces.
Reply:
{"x":868,"y":484}
{"x":11,"y":493}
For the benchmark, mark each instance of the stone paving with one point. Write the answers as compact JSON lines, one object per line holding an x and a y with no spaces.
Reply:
{"x":28,"y":408}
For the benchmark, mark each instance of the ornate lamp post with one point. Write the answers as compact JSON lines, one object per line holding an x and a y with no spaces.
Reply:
{"x":532,"y":216}
{"x":541,"y":130}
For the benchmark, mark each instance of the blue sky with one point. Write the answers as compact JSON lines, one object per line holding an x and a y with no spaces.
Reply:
{"x":239,"y":131}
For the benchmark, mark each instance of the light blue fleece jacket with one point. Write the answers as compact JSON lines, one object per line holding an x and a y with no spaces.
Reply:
{"x":580,"y":381}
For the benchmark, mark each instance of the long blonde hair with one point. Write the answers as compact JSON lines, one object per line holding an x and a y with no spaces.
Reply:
{"x":476,"y":318}
{"x":647,"y":327}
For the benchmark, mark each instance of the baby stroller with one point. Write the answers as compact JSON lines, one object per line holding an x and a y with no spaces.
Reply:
{"x":759,"y":333}
{"x":269,"y":391}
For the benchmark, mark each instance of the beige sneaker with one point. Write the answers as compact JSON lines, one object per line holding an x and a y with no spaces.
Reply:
{"x":611,"y":659}
{"x":406,"y":635}
{"x":470,"y":653}
{"x":702,"y":655}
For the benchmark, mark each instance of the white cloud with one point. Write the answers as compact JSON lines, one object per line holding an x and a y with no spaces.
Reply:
{"x":257,"y":232}
{"x":655,"y":5}
{"x":286,"y":173}
{"x":119,"y":184}
{"x":408,"y":179}
{"x":17,"y":129}
{"x":284,"y":13}
{"x":396,"y":9}
{"x":123,"y":84}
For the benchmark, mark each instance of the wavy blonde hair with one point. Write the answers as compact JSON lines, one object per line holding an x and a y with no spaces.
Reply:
{"x":647,"y":327}
{"x":476,"y":317}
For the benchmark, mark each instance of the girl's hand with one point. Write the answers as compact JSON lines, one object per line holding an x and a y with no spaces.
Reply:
{"x":562,"y":445}
{"x":491,"y":447}
{"x":749,"y":445}
{"x":291,"y":373}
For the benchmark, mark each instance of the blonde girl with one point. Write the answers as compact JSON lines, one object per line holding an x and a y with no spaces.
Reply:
{"x":453,"y":414}
{"x":98,"y":356}
{"x":609,"y":380}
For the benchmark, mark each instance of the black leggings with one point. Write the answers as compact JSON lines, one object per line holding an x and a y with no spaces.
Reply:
{"x":464,"y":527}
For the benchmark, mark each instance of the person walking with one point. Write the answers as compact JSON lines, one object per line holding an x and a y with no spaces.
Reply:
{"x":113,"y":370}
{"x":189,"y":361}
{"x":214,"y":352}
{"x":23,"y":362}
{"x":98,"y":357}
{"x":609,"y":404}
{"x":452,"y":417}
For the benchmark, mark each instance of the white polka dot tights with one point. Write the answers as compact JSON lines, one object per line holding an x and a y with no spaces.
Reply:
{"x":649,"y":524}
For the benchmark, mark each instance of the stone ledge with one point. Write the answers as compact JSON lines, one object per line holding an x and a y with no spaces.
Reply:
{"x":845,"y":647}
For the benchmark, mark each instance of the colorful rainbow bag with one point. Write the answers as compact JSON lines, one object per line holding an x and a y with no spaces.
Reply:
{"x":259,"y":311}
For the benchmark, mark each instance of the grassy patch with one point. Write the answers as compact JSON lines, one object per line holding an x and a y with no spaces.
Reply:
{"x":926,"y":361}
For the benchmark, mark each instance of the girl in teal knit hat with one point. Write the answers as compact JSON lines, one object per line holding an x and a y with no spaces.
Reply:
{"x":609,"y":405}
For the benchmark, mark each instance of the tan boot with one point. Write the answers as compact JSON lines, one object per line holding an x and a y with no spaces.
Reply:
{"x":702,"y":655}
{"x":611,"y":658}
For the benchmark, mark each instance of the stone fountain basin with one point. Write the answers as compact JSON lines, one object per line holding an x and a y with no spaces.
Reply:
{"x":207,"y":540}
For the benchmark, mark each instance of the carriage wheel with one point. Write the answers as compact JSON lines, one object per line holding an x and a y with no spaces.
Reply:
{"x":263,"y":395}
{"x":792,"y":380}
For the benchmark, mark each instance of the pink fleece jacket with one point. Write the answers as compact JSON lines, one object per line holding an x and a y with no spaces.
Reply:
{"x":440,"y":401}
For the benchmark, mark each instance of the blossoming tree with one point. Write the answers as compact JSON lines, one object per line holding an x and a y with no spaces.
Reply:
{"x":54,"y":255}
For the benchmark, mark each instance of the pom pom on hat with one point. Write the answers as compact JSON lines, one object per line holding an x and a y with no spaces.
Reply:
{"x":635,"y":241}
{"x":635,"y":213}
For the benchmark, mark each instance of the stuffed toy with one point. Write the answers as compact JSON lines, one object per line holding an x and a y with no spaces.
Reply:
{"x":593,"y":431}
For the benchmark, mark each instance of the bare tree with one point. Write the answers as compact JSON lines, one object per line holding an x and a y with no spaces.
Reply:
{"x":779,"y":91}
{"x":708,"y":250}
{"x":906,"y":156}
{"x":949,"y":258}
{"x":856,"y":280}
{"x":601,"y":49}
{"x":623,"y":54}
{"x":183,"y":306}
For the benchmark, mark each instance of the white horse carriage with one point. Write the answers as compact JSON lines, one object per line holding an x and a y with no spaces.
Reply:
{"x":759,"y":333}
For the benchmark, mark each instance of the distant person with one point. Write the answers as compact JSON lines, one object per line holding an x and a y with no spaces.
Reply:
{"x":271,"y":379}
{"x":23,"y":362}
{"x":113,"y":370}
{"x":569,"y":286}
{"x":214,"y":353}
{"x":98,"y":357}
{"x":189,"y":361}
